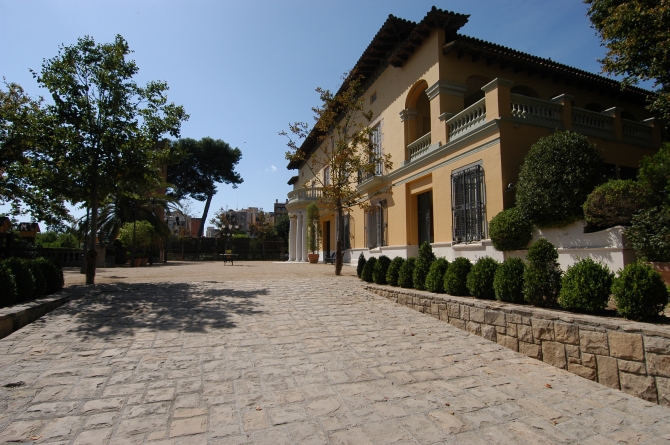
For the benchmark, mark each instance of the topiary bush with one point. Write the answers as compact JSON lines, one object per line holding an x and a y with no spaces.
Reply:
{"x":40,"y":279}
{"x":542,"y":275}
{"x":586,"y":286}
{"x":480,"y":279}
{"x":435,"y":278}
{"x":649,"y":234}
{"x":368,"y":269}
{"x":406,"y":273}
{"x":381,"y":267}
{"x":9,"y":294}
{"x":615,"y":202}
{"x":52,"y":274}
{"x":557,"y":175}
{"x":456,"y":277}
{"x":510,"y":230}
{"x":423,"y":262}
{"x":25,"y":282}
{"x":394,"y":270}
{"x":639,"y":292}
{"x":360,"y":265}
{"x":508,"y":281}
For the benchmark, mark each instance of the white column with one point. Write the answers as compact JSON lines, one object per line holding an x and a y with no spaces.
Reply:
{"x":291,"y":240}
{"x":304,"y":238}
{"x":299,"y":239}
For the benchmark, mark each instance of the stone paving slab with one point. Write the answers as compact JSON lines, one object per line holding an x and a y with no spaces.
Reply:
{"x":288,"y":360}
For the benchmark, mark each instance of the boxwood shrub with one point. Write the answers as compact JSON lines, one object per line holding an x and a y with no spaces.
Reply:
{"x":394,"y":270}
{"x":508,"y":281}
{"x":510,"y":230}
{"x":586,"y":286}
{"x":480,"y":278}
{"x":649,"y":234}
{"x":406,"y":273}
{"x":40,"y":279}
{"x":435,"y":278}
{"x":542,"y":275}
{"x":640,"y":292}
{"x":423,"y":262}
{"x":52,"y":273}
{"x":9,"y":294}
{"x":369,"y":267}
{"x":456,"y":277}
{"x":25,"y":282}
{"x":615,"y":202}
{"x":381,"y":267}
{"x":360,"y":265}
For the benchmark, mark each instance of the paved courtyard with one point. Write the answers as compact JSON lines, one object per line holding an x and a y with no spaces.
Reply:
{"x":277,"y":353}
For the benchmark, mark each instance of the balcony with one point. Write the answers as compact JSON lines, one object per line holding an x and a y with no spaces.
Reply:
{"x":467,"y":120}
{"x":304,"y":194}
{"x":419,"y":147}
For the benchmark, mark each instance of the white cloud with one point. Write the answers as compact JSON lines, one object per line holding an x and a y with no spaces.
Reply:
{"x":271,"y":169}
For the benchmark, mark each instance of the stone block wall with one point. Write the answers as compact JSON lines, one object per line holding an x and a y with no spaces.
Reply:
{"x":633,"y":357}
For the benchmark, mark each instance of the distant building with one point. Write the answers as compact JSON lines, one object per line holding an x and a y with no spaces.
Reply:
{"x":279,"y":209}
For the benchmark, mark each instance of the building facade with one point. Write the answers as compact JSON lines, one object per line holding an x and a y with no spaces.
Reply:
{"x":458,"y":115}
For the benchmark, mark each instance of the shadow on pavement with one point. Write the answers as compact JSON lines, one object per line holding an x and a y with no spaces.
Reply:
{"x":111,"y":310}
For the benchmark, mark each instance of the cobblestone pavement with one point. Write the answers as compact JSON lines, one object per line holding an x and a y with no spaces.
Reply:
{"x":291,"y":359}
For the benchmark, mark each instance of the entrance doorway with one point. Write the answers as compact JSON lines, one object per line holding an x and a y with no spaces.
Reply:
{"x":425,"y":217}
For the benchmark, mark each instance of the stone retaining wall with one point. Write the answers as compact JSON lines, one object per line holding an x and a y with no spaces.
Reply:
{"x":633,"y":357}
{"x":15,"y":317}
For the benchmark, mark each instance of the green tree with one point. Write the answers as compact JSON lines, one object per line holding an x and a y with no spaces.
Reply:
{"x":140,"y":232}
{"x":637,"y":36}
{"x":313,"y":227}
{"x":262,"y":228}
{"x":283,"y":227}
{"x":203,"y":164}
{"x":343,"y":134}
{"x":104,"y":127}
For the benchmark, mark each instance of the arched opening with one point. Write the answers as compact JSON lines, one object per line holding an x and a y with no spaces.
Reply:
{"x":594,"y":107}
{"x":474,"y":91}
{"x":523,"y":90}
{"x":628,"y":116}
{"x":417,"y":113}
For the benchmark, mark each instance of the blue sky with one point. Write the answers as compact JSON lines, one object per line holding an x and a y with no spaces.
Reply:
{"x":245,"y":69}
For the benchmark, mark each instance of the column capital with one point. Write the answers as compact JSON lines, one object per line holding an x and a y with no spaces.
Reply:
{"x":446,"y":87}
{"x":408,"y":114}
{"x":496,"y":83}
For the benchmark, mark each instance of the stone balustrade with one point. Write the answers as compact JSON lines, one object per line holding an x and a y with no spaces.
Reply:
{"x":535,"y":111}
{"x":417,"y":148}
{"x":305,"y":194}
{"x":467,"y":120}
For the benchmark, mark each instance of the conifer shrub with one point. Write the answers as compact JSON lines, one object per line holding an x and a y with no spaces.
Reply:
{"x":615,"y":202}
{"x":9,"y":294}
{"x":640,"y":292}
{"x":542,"y":275}
{"x":25,"y":282}
{"x":40,"y":279}
{"x":381,"y":268}
{"x":423,"y":262}
{"x":480,"y":278}
{"x":510,"y":230}
{"x":360,"y":265}
{"x":435,"y":278}
{"x":368,"y":269}
{"x":456,"y":277}
{"x":52,"y":274}
{"x":406,"y":273}
{"x":585,"y":286}
{"x":508,"y":281}
{"x":394,"y":270}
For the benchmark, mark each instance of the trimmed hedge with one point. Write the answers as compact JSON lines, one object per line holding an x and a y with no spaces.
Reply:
{"x":369,"y":267}
{"x":456,"y":277}
{"x":586,"y":286}
{"x":615,"y":202}
{"x":381,"y":267}
{"x":394,"y":270}
{"x":40,"y":279}
{"x":9,"y":294}
{"x":480,"y":278}
{"x":510,"y":230}
{"x":360,"y":265}
{"x":542,"y":275}
{"x":435,"y":278}
{"x":52,"y":273}
{"x":508,"y":281}
{"x":406,"y":273}
{"x":423,"y":262}
{"x":25,"y":281}
{"x":640,"y":292}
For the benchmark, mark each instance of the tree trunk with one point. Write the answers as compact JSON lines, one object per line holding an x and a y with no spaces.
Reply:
{"x":92,"y":254}
{"x":340,"y":238}
{"x":204,"y":215}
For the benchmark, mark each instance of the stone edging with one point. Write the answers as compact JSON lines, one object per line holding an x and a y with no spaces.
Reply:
{"x":630,"y":356}
{"x":15,"y":317}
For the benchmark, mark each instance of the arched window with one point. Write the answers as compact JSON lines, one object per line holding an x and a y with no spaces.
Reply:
{"x":416,"y":116}
{"x":523,"y":90}
{"x":628,"y":116}
{"x":594,"y":107}
{"x":474,"y":91}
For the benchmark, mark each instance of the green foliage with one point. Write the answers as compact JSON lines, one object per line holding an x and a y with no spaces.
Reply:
{"x":655,"y":174}
{"x":381,"y":268}
{"x":435,"y":278}
{"x":313,"y":227}
{"x":558,"y":173}
{"x":9,"y":294}
{"x":368,"y":269}
{"x":25,"y":282}
{"x":510,"y":230}
{"x":423,"y":262}
{"x":406,"y":273}
{"x":361,"y":265}
{"x":144,"y":233}
{"x":53,"y":275}
{"x":456,"y":277}
{"x":649,"y":234}
{"x":480,"y":279}
{"x":393,"y":271}
{"x":508,"y":281}
{"x":615,"y":202}
{"x":586,"y":286}
{"x":542,"y":275}
{"x":57,"y":240}
{"x":639,"y":292}
{"x":40,"y":279}
{"x":283,"y":227}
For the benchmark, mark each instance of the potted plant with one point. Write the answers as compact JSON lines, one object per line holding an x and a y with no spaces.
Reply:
{"x":313,"y":232}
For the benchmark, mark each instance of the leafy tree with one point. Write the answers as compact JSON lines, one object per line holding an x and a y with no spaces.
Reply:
{"x":615,"y":202}
{"x":655,"y":174}
{"x":283,"y":227}
{"x":343,"y":134}
{"x":649,"y":234}
{"x":313,"y":227}
{"x":202,"y":165}
{"x":104,"y":127}
{"x":225,"y":223}
{"x":142,"y":232}
{"x":637,"y":36}
{"x":262,"y":228}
